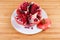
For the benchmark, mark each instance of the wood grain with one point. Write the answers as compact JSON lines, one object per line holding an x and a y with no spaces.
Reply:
{"x":7,"y":32}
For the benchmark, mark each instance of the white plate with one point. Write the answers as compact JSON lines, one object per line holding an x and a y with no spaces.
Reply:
{"x":21,"y":29}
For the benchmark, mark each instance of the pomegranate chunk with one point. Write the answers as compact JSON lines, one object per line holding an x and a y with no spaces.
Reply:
{"x":44,"y":24}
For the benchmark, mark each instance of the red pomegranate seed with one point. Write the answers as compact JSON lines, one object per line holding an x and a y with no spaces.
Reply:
{"x":35,"y":19}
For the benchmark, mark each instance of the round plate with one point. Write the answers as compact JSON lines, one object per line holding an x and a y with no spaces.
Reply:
{"x":21,"y":29}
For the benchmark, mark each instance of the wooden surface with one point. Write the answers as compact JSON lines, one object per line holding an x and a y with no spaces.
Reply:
{"x":7,"y":32}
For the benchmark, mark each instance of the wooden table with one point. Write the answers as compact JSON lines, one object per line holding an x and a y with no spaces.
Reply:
{"x":7,"y":32}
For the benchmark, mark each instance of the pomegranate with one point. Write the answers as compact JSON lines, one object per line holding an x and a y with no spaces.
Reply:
{"x":44,"y":24}
{"x":29,"y":14}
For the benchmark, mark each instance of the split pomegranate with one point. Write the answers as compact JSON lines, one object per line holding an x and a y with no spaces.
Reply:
{"x":29,"y":14}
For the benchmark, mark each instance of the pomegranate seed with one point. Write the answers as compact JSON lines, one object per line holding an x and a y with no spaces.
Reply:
{"x":35,"y":20}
